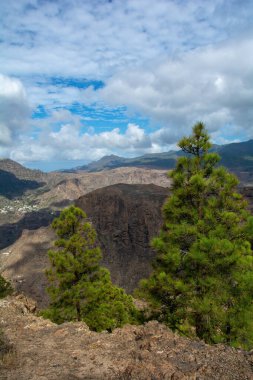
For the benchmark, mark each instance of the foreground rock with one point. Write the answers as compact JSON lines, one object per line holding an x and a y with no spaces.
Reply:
{"x":45,"y":351}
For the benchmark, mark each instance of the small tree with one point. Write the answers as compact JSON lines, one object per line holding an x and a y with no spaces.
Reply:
{"x":80,"y":288}
{"x":5,"y":287}
{"x":202,"y":280}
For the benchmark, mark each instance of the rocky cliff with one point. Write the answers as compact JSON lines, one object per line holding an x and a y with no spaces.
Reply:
{"x":126,"y":218}
{"x":38,"y":349}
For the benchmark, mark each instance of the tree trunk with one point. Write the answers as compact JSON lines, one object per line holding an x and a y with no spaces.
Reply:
{"x":78,"y":311}
{"x":228,"y":333}
{"x":199,"y":325}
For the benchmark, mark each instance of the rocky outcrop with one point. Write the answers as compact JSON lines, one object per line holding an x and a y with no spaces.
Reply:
{"x":43,"y":350}
{"x":126,"y":217}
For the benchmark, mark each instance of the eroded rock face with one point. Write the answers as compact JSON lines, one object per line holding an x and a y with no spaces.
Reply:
{"x":126,"y":218}
{"x":43,"y":350}
{"x":24,"y":263}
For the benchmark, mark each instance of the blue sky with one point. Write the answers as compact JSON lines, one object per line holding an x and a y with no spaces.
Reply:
{"x":86,"y":78}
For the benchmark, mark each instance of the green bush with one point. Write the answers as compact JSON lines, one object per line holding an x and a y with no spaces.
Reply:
{"x":5,"y":287}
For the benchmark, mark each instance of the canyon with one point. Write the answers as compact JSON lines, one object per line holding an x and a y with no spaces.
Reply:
{"x":125,"y":207}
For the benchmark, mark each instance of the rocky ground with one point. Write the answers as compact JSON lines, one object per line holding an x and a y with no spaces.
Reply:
{"x":41,"y":350}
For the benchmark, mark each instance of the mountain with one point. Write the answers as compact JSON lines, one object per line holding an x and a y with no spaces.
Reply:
{"x":126,"y":218}
{"x":237,"y":157}
{"x":108,"y":162}
{"x":21,"y":172}
{"x":164,"y":160}
{"x":16,"y":180}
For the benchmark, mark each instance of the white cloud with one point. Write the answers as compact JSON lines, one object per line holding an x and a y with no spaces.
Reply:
{"x":14,"y":109}
{"x":213,"y":84}
{"x":71,"y":143}
{"x":172,"y":61}
{"x":96,"y":38}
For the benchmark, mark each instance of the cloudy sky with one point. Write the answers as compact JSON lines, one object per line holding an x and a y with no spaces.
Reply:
{"x":81,"y":79}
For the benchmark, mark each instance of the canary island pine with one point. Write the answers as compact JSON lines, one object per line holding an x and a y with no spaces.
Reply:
{"x":202,"y":279}
{"x":80,"y":288}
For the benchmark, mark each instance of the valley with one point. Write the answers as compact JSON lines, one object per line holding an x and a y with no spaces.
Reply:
{"x":123,"y":204}
{"x":125,"y":207}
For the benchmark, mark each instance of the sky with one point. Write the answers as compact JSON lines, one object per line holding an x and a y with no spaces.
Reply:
{"x":82,"y":79}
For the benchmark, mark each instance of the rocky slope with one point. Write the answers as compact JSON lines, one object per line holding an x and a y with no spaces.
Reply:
{"x":21,"y":172}
{"x":25,"y":261}
{"x":43,"y":350}
{"x":72,"y":186}
{"x":126,"y":218}
{"x":23,"y":191}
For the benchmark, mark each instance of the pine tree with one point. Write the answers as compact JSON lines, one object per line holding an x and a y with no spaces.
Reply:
{"x":5,"y":287}
{"x":202,"y":279}
{"x":80,"y":288}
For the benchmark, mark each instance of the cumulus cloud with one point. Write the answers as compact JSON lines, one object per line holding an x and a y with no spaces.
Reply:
{"x":173,"y":62}
{"x":96,"y":38}
{"x":14,"y":110}
{"x":212,"y":84}
{"x":70,"y":143}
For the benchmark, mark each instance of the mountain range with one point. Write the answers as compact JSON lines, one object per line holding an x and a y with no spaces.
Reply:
{"x":237,"y":157}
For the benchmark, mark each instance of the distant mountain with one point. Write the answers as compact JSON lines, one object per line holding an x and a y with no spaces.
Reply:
{"x":164,"y":160}
{"x":20,"y":171}
{"x":238,"y":157}
{"x":15,"y":179}
{"x":108,"y":162}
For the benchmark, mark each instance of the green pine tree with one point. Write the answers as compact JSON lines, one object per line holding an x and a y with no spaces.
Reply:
{"x":5,"y":287}
{"x":202,"y":280}
{"x":80,"y":288}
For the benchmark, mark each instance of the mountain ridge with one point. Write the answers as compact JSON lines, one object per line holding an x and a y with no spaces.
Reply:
{"x":235,"y":156}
